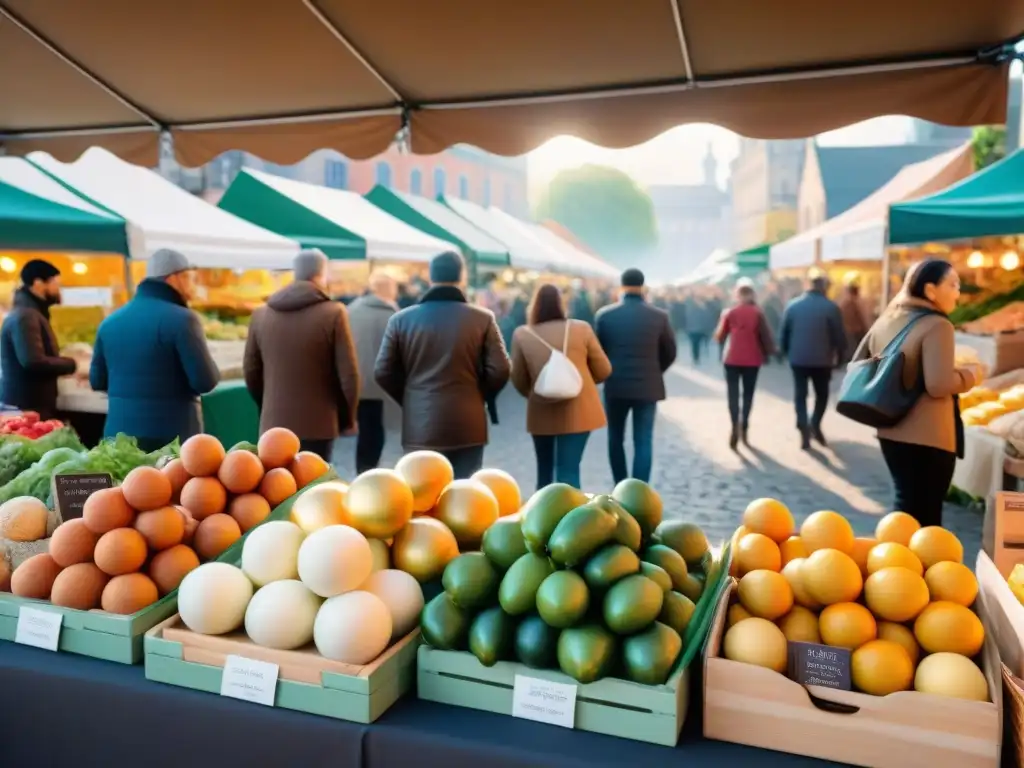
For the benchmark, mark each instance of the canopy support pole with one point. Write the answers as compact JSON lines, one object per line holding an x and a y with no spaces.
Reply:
{"x":64,"y":57}
{"x":684,"y":48}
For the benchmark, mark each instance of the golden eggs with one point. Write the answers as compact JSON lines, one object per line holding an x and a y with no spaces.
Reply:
{"x":427,"y":473}
{"x":468,"y":508}
{"x":320,"y":506}
{"x":504,"y":487}
{"x":379,"y":503}
{"x":423,"y":548}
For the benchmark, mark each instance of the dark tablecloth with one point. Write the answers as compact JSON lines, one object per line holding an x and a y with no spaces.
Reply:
{"x":60,"y":710}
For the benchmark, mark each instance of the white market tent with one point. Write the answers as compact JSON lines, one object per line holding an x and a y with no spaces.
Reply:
{"x":525,"y":251}
{"x":162,"y":215}
{"x":345,"y":225}
{"x":589,"y":265}
{"x":716,"y":266}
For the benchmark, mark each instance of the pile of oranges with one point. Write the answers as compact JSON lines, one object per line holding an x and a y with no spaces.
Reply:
{"x":900,"y":601}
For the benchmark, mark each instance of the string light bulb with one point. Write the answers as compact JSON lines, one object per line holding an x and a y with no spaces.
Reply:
{"x":79,"y":268}
{"x":1009,"y":261}
{"x":976,"y":260}
{"x":7,"y":264}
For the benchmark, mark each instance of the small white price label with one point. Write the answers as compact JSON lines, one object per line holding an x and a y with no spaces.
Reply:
{"x":249,"y":680}
{"x":544,"y":701}
{"x":37,"y":628}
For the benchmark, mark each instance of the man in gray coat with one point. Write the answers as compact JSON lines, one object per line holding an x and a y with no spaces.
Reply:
{"x":368,"y":317}
{"x":813,"y":339}
{"x":442,"y":359}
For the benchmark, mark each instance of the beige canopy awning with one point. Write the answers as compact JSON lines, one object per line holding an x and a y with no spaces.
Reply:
{"x":281,"y":78}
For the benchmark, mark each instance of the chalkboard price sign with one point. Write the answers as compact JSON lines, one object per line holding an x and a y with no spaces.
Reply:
{"x":71,"y":491}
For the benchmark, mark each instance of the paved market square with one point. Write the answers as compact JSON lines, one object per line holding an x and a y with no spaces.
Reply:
{"x":701,"y":479}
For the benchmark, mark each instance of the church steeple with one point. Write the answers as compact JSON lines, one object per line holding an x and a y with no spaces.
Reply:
{"x":710,"y":168}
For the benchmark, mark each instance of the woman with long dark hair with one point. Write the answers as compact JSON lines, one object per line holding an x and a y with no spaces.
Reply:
{"x":560,"y":428}
{"x":921,"y":450}
{"x":743,"y":331}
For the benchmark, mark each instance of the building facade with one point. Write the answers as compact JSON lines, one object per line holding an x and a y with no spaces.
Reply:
{"x":765,"y":186}
{"x":461,"y":171}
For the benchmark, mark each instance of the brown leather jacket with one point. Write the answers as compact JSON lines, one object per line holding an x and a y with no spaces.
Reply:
{"x":441,"y":360}
{"x":300,"y":364}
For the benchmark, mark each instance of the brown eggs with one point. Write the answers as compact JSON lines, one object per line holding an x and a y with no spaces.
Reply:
{"x":129,"y":593}
{"x":79,"y":586}
{"x":5,"y":576}
{"x":146,"y":488}
{"x":161,"y":528}
{"x":106,"y":510}
{"x":72,"y":543}
{"x":249,"y":510}
{"x":278,"y":485}
{"x":307,"y":467}
{"x":34,"y":577}
{"x":120,"y":551}
{"x":202,"y":455}
{"x":176,"y":473}
{"x":190,"y":525}
{"x":204,"y":496}
{"x":240,"y":472}
{"x":215,"y":534}
{"x":169,"y":567}
{"x":277,"y":447}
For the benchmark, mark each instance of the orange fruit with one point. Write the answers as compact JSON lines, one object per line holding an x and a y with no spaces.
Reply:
{"x":792,"y":548}
{"x":897,"y":527}
{"x":953,"y":582}
{"x":847,"y":625}
{"x":800,"y":626}
{"x":889,"y":554}
{"x":771,"y":518}
{"x":793,"y":571}
{"x":756,"y":552}
{"x":946,"y":627}
{"x":827,"y":530}
{"x":831,"y":576}
{"x":895,"y":594}
{"x":881,"y":667}
{"x":936,"y":545}
{"x":861,"y":546}
{"x":897,"y":633}
{"x":765,"y":594}
{"x":737,"y":613}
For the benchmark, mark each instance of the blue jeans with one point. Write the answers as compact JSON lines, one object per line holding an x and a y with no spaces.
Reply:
{"x":559,"y":457}
{"x":644,"y":413}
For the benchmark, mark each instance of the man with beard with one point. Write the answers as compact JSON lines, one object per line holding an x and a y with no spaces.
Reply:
{"x":29,"y":355}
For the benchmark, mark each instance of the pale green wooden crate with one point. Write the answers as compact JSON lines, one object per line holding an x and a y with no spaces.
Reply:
{"x":360,"y":699}
{"x":110,"y":636}
{"x":652,"y":713}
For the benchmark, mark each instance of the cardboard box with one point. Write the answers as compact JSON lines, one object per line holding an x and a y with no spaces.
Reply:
{"x":307,"y":682}
{"x":747,"y":704}
{"x":1003,"y":531}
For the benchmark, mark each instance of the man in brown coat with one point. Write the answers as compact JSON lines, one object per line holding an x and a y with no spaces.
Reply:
{"x":300,"y":362}
{"x":442,"y":359}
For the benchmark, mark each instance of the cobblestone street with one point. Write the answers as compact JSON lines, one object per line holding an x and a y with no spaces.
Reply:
{"x":702,"y":480}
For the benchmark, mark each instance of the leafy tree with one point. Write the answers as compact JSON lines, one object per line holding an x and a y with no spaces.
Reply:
{"x":988,"y":143}
{"x":605,"y":208}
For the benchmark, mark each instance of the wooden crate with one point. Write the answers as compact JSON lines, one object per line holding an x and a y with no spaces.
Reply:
{"x":653,"y":713}
{"x":307,"y":682}
{"x":111,"y":636}
{"x":1004,"y":612}
{"x":747,"y":704}
{"x":1003,"y":534}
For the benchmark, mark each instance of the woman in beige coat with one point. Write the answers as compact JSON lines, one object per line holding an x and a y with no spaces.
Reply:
{"x":921,"y":450}
{"x":559,"y":428}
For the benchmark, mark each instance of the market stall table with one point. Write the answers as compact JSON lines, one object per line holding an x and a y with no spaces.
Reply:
{"x":64,"y":710}
{"x":230,"y":414}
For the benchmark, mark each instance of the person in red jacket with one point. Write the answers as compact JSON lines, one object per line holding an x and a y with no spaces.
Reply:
{"x":744,"y":330}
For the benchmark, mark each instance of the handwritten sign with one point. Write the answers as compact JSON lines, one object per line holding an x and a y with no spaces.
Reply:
{"x":71,"y":491}
{"x":544,"y":701}
{"x":814,"y":664}
{"x":40,"y":629}
{"x":249,"y":680}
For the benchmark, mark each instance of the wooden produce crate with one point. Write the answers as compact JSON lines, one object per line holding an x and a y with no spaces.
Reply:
{"x":747,"y":704}
{"x":307,"y":682}
{"x":1003,"y":531}
{"x":1004,"y":612}
{"x":111,"y":636}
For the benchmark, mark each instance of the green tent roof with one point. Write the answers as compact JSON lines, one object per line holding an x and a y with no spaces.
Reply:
{"x":440,"y":221}
{"x":755,"y":258}
{"x":38,"y":213}
{"x":344,"y":225}
{"x":991,"y":202}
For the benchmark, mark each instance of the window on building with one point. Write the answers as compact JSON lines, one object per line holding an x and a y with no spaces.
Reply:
{"x":384,"y":174}
{"x":487,"y":191}
{"x":440,"y":182}
{"x":464,"y":187}
{"x":416,"y":181}
{"x":336,"y":174}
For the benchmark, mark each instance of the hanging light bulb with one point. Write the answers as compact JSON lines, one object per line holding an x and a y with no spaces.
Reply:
{"x":976,"y":260}
{"x":79,"y":268}
{"x":7,"y":264}
{"x":1009,"y":261}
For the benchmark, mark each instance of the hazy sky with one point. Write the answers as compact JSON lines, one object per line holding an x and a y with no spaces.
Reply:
{"x":675,"y":157}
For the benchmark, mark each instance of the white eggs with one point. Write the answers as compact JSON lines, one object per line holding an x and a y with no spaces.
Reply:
{"x":281,"y":615}
{"x":334,"y":560}
{"x":213,"y":598}
{"x":271,"y":552}
{"x":353,"y":628}
{"x":381,"y":554}
{"x":403,"y":596}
